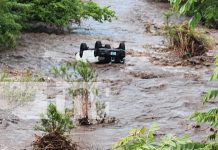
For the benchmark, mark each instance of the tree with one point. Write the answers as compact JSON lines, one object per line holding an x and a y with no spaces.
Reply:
{"x":200,"y":10}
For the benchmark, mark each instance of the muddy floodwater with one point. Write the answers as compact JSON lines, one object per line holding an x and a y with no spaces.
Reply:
{"x":141,"y":91}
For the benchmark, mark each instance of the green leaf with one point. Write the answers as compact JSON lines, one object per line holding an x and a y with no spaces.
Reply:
{"x":195,"y":20}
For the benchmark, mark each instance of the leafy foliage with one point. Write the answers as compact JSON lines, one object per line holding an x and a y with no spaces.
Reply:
{"x":11,"y":17}
{"x":19,"y":14}
{"x":72,"y":71}
{"x":211,"y":116}
{"x":84,"y":70}
{"x":200,"y":10}
{"x":60,"y":12}
{"x":54,"y":121}
{"x":84,"y":73}
{"x":144,"y":139}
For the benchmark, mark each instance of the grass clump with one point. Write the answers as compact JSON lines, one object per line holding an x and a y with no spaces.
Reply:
{"x":187,"y":42}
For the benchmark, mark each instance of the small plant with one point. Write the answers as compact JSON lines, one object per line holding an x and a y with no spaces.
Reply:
{"x":186,"y":42}
{"x":84,"y":70}
{"x":63,"y":71}
{"x":54,"y":121}
{"x":55,"y":124}
{"x":72,"y":71}
{"x":81,"y":77}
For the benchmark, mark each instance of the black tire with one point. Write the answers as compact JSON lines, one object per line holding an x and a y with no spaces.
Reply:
{"x":96,"y":52}
{"x":98,"y":44}
{"x":83,"y":47}
{"x":122,"y":46}
{"x":107,"y":46}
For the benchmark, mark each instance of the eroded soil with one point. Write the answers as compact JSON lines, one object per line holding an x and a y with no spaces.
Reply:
{"x":152,"y":86}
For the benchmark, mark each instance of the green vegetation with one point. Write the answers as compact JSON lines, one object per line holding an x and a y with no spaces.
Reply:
{"x":55,"y":124}
{"x":144,"y":139}
{"x":84,"y":70}
{"x":81,"y":75}
{"x":20,"y":14}
{"x":73,"y":71}
{"x":200,"y":10}
{"x":187,"y":42}
{"x":54,"y":121}
{"x":60,"y":12}
{"x":211,"y":116}
{"x":11,"y":18}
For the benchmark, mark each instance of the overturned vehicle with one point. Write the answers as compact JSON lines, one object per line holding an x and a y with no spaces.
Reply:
{"x":105,"y":53}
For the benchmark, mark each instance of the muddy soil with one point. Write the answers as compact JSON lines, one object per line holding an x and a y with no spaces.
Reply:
{"x":142,"y":91}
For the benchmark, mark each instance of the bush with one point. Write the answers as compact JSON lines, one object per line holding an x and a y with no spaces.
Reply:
{"x":22,"y":14}
{"x":10,"y":21}
{"x":187,"y":42}
{"x":61,"y":12}
{"x":200,"y":10}
{"x":55,"y":124}
{"x":55,"y":121}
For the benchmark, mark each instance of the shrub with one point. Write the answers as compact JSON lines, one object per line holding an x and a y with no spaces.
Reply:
{"x":55,"y":124}
{"x":22,"y":14}
{"x":61,"y":12}
{"x":54,"y":121}
{"x":10,"y":21}
{"x":187,"y":42}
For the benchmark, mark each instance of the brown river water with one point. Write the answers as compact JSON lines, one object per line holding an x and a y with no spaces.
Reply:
{"x":142,"y":91}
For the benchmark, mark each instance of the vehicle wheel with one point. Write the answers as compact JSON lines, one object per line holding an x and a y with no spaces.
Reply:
{"x":96,"y":52}
{"x":98,"y":44}
{"x":83,"y":47}
{"x":107,"y":46}
{"x":122,"y":46}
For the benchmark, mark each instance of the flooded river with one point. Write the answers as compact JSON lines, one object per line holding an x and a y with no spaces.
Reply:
{"x":141,"y":92}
